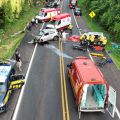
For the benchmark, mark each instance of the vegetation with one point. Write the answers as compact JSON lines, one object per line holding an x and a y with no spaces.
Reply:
{"x":13,"y":18}
{"x":107,"y":20}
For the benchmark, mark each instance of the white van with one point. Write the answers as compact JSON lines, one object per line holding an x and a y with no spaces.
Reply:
{"x":60,"y":22}
{"x":45,"y":15}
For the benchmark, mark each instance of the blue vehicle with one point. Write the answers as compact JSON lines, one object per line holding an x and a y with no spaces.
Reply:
{"x":9,"y":81}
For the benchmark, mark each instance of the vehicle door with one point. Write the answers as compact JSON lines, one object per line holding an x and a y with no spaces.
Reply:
{"x":111,"y":101}
{"x":46,"y":36}
{"x":17,"y":81}
{"x":51,"y":35}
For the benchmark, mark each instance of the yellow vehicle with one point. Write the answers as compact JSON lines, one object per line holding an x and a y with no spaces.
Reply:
{"x":9,"y":81}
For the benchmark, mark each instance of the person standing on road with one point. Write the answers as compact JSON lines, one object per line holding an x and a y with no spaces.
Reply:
{"x":18,"y":60}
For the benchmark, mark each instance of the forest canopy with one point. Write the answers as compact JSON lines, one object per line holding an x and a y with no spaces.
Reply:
{"x":107,"y":14}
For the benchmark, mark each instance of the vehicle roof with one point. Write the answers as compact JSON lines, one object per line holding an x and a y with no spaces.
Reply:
{"x":48,"y":30}
{"x":49,"y":10}
{"x":94,"y":33}
{"x":4,"y":72}
{"x":59,"y":17}
{"x":88,"y":71}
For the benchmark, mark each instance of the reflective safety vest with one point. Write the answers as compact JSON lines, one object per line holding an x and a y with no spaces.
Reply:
{"x":82,"y":37}
{"x":104,"y":41}
{"x":88,"y":37}
{"x":92,"y":38}
{"x":70,"y":26}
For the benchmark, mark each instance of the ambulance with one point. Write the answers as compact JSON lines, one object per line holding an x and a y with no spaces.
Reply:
{"x":72,"y":4}
{"x":9,"y":81}
{"x":60,"y":22}
{"x":45,"y":15}
{"x":91,"y":90}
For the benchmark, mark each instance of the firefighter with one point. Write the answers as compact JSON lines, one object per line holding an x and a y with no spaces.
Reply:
{"x":92,"y":40}
{"x":88,"y":39}
{"x":82,"y":37}
{"x":104,"y":42}
{"x":70,"y":27}
{"x":101,"y":39}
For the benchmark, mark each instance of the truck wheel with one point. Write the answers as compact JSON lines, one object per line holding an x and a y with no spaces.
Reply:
{"x":55,"y":38}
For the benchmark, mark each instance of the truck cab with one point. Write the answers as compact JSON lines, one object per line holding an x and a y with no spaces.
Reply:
{"x":91,"y":90}
{"x":60,"y":22}
{"x":9,"y":81}
{"x":45,"y":15}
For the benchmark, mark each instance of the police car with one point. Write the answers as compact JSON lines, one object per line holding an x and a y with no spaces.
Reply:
{"x":8,"y":82}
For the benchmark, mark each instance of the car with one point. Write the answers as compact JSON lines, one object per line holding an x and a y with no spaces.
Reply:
{"x":9,"y":81}
{"x":46,"y":35}
{"x":52,"y":4}
{"x":77,"y":12}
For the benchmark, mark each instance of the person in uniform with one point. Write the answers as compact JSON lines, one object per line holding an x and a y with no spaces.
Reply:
{"x":70,"y":27}
{"x":104,"y":42}
{"x":92,"y":40}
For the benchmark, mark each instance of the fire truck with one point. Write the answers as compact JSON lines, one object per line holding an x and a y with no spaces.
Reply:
{"x":72,"y":4}
{"x":91,"y":90}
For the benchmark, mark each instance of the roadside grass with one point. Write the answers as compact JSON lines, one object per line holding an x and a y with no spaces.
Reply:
{"x":8,"y":44}
{"x":94,"y":26}
{"x":8,"y":48}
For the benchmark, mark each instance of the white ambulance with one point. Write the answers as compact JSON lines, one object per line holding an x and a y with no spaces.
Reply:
{"x":45,"y":15}
{"x":60,"y":22}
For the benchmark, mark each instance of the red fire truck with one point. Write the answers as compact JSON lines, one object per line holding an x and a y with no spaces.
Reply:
{"x":91,"y":90}
{"x":72,"y":4}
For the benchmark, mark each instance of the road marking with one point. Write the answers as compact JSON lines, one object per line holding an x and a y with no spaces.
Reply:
{"x":76,"y":22}
{"x":118,"y":113}
{"x":66,"y":98}
{"x":26,"y":79}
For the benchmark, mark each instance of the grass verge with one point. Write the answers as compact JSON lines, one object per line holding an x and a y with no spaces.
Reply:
{"x":94,"y":26}
{"x":9,"y":44}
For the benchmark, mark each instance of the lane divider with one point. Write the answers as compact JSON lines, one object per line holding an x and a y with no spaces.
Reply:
{"x":26,"y":80}
{"x":117,"y":111}
{"x":66,"y":115}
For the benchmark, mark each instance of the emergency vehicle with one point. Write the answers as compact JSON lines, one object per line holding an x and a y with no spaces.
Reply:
{"x":45,"y":15}
{"x":60,"y":22}
{"x":72,"y":4}
{"x":8,"y":82}
{"x":91,"y":90}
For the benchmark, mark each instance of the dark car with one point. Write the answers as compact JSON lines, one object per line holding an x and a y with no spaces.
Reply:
{"x":77,"y":12}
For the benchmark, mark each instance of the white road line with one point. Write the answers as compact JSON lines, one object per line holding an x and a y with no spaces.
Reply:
{"x":76,"y":22}
{"x":118,"y":113}
{"x":23,"y":88}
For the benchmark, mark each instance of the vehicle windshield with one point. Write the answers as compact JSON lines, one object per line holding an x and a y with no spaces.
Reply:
{"x":2,"y":87}
{"x":73,"y":3}
{"x":53,"y":22}
{"x":41,"y":14}
{"x":41,"y":33}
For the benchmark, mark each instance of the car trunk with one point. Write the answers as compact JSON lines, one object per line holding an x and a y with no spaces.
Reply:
{"x":93,"y":97}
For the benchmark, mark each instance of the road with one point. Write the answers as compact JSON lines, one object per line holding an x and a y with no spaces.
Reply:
{"x":42,"y":98}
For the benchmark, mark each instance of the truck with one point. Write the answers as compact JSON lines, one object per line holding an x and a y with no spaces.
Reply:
{"x":46,"y":15}
{"x":60,"y":22}
{"x":9,"y":81}
{"x":72,"y":4}
{"x":91,"y":90}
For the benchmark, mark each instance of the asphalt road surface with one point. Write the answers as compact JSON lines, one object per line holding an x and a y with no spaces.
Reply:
{"x":42,"y":96}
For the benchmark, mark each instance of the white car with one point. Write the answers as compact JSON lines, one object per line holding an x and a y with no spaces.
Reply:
{"x":46,"y":35}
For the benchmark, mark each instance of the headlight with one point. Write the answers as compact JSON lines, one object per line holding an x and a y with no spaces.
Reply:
{"x":1,"y":104}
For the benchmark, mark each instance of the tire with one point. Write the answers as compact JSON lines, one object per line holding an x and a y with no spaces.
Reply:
{"x":55,"y":38}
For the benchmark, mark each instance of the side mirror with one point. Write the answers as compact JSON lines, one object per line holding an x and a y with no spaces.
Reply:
{"x":69,"y":65}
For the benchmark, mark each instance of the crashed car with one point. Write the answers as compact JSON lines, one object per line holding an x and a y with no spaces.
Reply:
{"x":77,"y":12}
{"x":46,"y":35}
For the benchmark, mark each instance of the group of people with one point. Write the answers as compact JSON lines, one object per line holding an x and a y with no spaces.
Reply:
{"x":93,"y":40}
